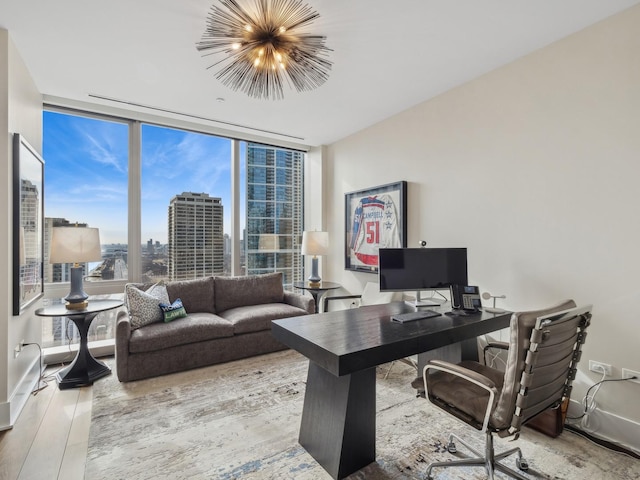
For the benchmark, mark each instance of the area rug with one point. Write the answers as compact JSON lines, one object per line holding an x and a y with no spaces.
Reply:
{"x":240,"y":420}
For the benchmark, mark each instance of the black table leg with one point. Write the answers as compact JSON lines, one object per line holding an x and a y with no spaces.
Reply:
{"x":84,"y":369}
{"x":339,"y":420}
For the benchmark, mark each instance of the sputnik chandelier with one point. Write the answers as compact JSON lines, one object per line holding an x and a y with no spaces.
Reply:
{"x":264,"y":46}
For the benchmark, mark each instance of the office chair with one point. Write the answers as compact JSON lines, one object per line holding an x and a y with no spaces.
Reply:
{"x":544,"y":350}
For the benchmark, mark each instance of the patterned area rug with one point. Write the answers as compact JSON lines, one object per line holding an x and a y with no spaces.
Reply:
{"x":240,"y":420}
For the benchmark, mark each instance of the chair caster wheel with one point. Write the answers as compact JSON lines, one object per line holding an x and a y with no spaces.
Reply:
{"x":451,"y":447}
{"x":522,"y":464}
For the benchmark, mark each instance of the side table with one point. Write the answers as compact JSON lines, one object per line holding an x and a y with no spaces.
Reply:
{"x":317,"y":291}
{"x":84,"y":369}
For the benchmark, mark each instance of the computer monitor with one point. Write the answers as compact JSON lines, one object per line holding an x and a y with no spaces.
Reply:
{"x":421,"y":269}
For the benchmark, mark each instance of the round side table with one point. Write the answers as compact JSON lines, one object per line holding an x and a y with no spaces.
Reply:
{"x":84,"y":369}
{"x":317,"y":291}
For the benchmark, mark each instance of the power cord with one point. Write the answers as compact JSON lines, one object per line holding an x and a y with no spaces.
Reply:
{"x":42,"y":383}
{"x":589,"y":399}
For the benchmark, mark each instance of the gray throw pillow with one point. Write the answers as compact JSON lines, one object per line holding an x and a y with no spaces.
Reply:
{"x":144,"y":307}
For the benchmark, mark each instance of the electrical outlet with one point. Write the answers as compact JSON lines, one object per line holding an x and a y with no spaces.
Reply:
{"x":600,"y":367}
{"x":18,"y":349}
{"x":626,"y":373}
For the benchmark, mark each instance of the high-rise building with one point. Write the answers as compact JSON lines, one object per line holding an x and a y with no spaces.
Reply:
{"x":274,"y":212}
{"x":196,"y":243}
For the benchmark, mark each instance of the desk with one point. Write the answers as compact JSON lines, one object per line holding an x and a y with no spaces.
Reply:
{"x":84,"y":369}
{"x":318,"y":290}
{"x":344,"y":347}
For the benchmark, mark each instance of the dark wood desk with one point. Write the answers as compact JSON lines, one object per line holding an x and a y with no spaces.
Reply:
{"x":338,"y":426}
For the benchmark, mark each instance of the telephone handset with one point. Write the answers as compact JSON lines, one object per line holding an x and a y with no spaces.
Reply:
{"x":465,"y":297}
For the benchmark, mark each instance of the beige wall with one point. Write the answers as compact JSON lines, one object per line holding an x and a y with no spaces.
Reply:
{"x":20,"y":112}
{"x":534,"y":168}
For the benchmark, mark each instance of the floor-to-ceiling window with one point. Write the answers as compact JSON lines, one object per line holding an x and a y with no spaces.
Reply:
{"x":86,"y":178}
{"x":103,"y":172}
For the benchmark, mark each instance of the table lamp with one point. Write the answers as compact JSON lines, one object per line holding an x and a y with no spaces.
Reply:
{"x":75,"y":245}
{"x":315,"y":243}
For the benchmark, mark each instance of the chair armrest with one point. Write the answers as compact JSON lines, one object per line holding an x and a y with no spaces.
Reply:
{"x":325,"y":305}
{"x":467,"y":375}
{"x":301,"y":301}
{"x":496,"y":344}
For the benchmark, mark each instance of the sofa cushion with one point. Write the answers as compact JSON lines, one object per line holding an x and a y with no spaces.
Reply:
{"x":144,"y":306}
{"x":193,"y":328}
{"x":197,"y":295}
{"x":232,"y":292}
{"x":255,"y":318}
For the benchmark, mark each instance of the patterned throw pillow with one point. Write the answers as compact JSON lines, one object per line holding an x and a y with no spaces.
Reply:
{"x":173,"y":311}
{"x":144,"y":306}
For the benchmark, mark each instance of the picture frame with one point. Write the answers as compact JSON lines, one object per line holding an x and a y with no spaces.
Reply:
{"x":28,"y":220}
{"x":374,"y":218}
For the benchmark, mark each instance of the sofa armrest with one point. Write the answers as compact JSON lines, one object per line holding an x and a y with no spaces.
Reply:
{"x":123,"y":333}
{"x":304,"y":302}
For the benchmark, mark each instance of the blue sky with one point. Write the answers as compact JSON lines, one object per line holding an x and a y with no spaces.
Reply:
{"x":86,"y":173}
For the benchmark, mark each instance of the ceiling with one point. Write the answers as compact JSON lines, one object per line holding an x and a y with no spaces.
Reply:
{"x":387,"y":56}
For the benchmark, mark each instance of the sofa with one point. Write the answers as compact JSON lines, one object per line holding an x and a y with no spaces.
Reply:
{"x":201,"y":322}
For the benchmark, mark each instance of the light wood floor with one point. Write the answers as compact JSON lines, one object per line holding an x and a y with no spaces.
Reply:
{"x":50,"y":437}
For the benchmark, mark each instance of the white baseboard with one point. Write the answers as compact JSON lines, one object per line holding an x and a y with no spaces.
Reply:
{"x":607,"y":426}
{"x":10,"y":411}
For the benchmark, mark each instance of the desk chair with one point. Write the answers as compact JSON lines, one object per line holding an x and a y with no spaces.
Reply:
{"x":544,"y":350}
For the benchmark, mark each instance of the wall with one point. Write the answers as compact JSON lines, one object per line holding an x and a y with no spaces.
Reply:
{"x":534,"y":168}
{"x":20,"y":112}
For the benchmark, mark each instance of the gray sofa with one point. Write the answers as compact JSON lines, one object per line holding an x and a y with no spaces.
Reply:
{"x":228,"y":318}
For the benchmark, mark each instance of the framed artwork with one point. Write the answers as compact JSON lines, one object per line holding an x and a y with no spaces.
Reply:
{"x":375,"y":218}
{"x":28,"y":219}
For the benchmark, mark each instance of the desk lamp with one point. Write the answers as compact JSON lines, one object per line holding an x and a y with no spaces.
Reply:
{"x":315,"y":243}
{"x":75,"y":245}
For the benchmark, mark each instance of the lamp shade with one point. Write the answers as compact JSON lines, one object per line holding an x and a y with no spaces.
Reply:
{"x":315,"y":243}
{"x":75,"y":245}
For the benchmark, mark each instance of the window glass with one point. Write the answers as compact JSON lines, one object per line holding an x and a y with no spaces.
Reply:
{"x":186,"y":204}
{"x":86,"y":184}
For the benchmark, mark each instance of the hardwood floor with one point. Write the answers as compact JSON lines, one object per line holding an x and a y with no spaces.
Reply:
{"x":50,"y":437}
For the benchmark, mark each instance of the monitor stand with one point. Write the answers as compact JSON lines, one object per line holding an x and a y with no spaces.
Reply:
{"x":430,"y":302}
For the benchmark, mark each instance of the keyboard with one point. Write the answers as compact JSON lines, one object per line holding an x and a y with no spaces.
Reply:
{"x":413,"y":316}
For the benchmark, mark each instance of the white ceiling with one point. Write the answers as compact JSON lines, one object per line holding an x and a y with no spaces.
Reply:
{"x":387,"y":56}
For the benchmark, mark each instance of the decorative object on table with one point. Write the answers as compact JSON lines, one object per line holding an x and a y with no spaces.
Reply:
{"x":265,"y":45}
{"x":493,"y":309}
{"x":374,"y":219}
{"x":315,"y":243}
{"x":28,"y":218}
{"x":75,"y":245}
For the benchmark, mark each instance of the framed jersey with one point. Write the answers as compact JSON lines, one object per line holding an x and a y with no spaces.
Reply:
{"x":374,"y":219}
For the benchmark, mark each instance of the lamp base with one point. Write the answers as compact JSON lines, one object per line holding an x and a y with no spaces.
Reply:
{"x":314,"y":279}
{"x":77,"y":305}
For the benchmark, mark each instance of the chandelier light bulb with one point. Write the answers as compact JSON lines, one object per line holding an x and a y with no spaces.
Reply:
{"x":259,"y":34}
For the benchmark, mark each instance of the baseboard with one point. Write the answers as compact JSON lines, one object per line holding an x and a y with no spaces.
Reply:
{"x":607,"y":426}
{"x":10,"y":411}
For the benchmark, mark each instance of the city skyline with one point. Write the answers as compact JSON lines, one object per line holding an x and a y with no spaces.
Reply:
{"x":86,"y":173}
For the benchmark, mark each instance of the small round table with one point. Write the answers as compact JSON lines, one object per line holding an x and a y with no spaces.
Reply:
{"x":317,"y":291}
{"x":84,"y":369}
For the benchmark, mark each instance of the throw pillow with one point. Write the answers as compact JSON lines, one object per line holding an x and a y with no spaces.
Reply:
{"x":144,"y":306}
{"x":173,"y":311}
